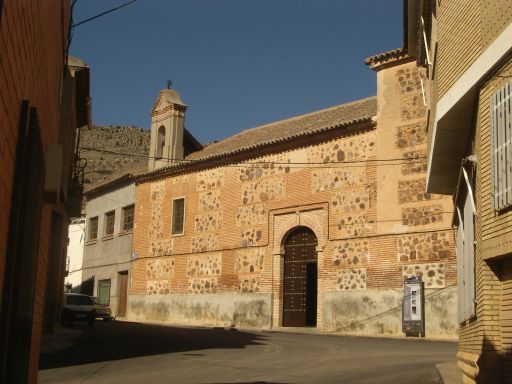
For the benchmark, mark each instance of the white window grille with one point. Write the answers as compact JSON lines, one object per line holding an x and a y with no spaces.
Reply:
{"x":501,"y":115}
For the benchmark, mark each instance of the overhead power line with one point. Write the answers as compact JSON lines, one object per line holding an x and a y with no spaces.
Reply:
{"x":391,"y":161}
{"x":102,"y":13}
{"x":264,"y":246}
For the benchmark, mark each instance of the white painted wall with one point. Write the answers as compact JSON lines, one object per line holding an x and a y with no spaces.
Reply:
{"x":107,"y":256}
{"x":76,"y":235}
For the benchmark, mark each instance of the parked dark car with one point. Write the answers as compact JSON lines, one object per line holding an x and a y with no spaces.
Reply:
{"x":78,"y":307}
{"x":103,"y":311}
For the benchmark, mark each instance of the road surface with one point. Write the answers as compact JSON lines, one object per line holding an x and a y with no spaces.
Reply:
{"x":126,"y":353}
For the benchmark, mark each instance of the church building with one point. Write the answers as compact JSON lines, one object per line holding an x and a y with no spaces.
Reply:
{"x":312,"y":221}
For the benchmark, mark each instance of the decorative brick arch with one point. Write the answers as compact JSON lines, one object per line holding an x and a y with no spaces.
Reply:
{"x":285,"y":223}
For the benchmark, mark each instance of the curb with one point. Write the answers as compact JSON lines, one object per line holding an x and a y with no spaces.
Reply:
{"x":448,"y":373}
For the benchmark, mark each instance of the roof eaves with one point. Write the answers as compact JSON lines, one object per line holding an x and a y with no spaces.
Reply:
{"x":376,"y":61}
{"x":111,"y":184}
{"x":175,"y":168}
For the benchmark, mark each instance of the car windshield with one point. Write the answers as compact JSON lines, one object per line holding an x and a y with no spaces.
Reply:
{"x":79,"y":300}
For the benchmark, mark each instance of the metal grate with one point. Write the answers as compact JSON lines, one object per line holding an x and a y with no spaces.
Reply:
{"x":501,"y":115}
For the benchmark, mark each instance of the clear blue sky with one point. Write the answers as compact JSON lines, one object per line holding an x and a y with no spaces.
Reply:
{"x":236,"y":63}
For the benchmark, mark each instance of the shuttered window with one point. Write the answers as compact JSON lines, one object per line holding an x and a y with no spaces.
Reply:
{"x":110,"y":218}
{"x":465,"y":260}
{"x":128,"y":213}
{"x":93,"y":228}
{"x":501,"y":115}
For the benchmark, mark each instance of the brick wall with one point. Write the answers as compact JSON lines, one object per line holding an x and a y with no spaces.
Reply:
{"x":31,"y":68}
{"x":493,"y":237}
{"x":465,"y":30}
{"x":374,"y":221}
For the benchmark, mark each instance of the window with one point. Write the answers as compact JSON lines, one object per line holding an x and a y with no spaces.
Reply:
{"x":103,"y":292}
{"x":128,"y":216}
{"x":110,"y":218}
{"x":93,"y":228}
{"x":178,"y":216}
{"x":465,"y":258}
{"x":501,"y":112}
{"x":160,"y":142}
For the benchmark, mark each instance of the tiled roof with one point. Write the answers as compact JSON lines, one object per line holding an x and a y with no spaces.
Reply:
{"x":381,"y":58}
{"x":344,"y":115}
{"x":318,"y":121}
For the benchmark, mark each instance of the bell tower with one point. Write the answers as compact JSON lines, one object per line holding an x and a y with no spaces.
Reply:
{"x":167,"y":125}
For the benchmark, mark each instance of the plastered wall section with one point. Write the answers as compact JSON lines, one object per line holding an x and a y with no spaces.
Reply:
{"x":106,"y":256}
{"x":75,"y":253}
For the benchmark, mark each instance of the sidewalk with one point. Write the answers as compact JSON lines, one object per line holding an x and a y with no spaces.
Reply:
{"x":59,"y":340}
{"x":448,"y":373}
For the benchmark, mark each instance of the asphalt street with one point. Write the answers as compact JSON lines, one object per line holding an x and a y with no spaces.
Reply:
{"x":123,"y":352}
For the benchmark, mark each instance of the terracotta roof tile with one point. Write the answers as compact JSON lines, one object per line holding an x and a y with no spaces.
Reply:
{"x":343,"y":115}
{"x":324,"y":119}
{"x":385,"y":57}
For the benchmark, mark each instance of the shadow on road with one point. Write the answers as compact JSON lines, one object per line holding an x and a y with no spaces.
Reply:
{"x":108,"y":341}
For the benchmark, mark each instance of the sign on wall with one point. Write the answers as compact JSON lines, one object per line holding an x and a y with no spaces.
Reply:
{"x":413,"y":314}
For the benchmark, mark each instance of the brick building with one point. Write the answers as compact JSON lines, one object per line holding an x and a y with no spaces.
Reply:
{"x":311,"y":221}
{"x":42,"y":102}
{"x":466,"y":49}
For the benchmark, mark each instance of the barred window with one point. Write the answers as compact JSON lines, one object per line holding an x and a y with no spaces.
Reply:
{"x":501,"y":120}
{"x":128,"y":216}
{"x":178,"y":216}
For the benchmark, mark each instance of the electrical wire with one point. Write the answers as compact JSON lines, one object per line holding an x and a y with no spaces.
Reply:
{"x":103,"y":13}
{"x":240,"y":248}
{"x":401,"y":161}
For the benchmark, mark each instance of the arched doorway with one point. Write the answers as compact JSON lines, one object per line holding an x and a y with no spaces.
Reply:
{"x":300,"y":278}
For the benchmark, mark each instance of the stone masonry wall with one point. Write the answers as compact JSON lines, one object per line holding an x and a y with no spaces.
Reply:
{"x":230,"y":247}
{"x":427,"y":246}
{"x":416,"y":162}
{"x":411,"y":101}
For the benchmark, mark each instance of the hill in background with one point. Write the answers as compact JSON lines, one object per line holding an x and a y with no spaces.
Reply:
{"x":111,"y":151}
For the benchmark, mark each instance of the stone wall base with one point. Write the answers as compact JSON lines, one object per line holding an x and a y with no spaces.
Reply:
{"x":379,"y":312}
{"x":365,"y":312}
{"x":219,"y":309}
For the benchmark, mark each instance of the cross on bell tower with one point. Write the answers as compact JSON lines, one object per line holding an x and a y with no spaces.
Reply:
{"x":167,"y":126}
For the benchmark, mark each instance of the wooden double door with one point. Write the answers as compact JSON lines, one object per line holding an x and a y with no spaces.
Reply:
{"x":300,"y":279}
